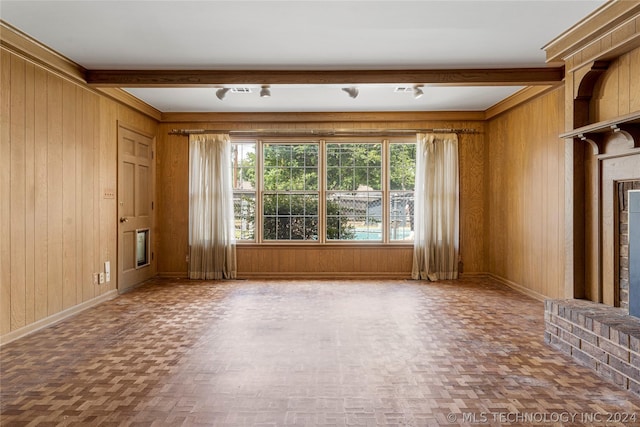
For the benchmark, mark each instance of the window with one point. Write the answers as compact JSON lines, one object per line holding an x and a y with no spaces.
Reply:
{"x":243,"y":167}
{"x":324,"y":191}
{"x":354,"y":191}
{"x":402,"y":181}
{"x":290,"y":192}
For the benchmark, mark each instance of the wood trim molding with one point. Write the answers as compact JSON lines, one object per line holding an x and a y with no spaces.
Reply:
{"x":131,"y":101}
{"x":58,"y":317}
{"x":627,"y":122}
{"x":124,"y":125}
{"x":18,"y":43}
{"x":604,"y":21}
{"x":324,"y":276}
{"x":516,"y":99}
{"x":597,"y":139}
{"x":609,"y":47}
{"x":328,"y":117}
{"x":519,"y":288}
{"x":205,"y":78}
{"x":538,"y":80}
{"x":584,"y":92}
{"x":174,"y":274}
{"x":391,"y":276}
{"x":21,"y":44}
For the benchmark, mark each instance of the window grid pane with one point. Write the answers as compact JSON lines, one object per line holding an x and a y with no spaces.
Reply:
{"x":401,"y":215}
{"x":290,"y":216}
{"x":355,"y":215}
{"x":402,"y":167}
{"x":243,"y":167}
{"x":354,"y":167}
{"x":290,"y":198}
{"x":353,"y":198}
{"x":290,"y":167}
{"x":244,"y":209}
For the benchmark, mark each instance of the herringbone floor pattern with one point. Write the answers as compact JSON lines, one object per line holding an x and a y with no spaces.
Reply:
{"x":304,"y":353}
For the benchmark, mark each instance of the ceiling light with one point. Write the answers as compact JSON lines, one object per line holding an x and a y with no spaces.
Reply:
{"x":352,"y":91}
{"x":265,"y":92}
{"x":417,"y":92}
{"x":222,"y":92}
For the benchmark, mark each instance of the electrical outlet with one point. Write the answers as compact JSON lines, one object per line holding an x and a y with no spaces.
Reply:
{"x":107,"y":271}
{"x":101,"y":278}
{"x":96,"y":278}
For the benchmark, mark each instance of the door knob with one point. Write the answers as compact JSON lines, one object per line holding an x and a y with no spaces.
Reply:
{"x":124,"y":219}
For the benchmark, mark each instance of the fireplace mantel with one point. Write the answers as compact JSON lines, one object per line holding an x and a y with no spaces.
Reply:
{"x":628,"y":125}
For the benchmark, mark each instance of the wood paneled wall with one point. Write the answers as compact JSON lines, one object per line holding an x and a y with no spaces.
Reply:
{"x":618,"y":90}
{"x":58,"y":155}
{"x":326,"y":261}
{"x":273,"y":261}
{"x":526,"y":195}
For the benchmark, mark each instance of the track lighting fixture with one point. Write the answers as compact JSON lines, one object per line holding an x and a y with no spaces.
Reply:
{"x":222,"y":92}
{"x":265,"y":92}
{"x":352,"y":91}
{"x":417,"y":91}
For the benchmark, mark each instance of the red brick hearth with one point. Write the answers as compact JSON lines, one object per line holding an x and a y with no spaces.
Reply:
{"x":603,"y":338}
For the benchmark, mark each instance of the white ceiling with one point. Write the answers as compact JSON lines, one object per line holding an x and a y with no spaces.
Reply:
{"x":302,"y":35}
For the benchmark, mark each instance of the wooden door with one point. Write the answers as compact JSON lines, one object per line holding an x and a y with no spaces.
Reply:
{"x":135,"y":208}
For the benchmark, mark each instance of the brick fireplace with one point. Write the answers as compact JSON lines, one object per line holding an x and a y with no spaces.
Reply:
{"x":602,"y":163}
{"x":603,"y":338}
{"x":603,"y":335}
{"x":595,"y":326}
{"x":623,"y":241}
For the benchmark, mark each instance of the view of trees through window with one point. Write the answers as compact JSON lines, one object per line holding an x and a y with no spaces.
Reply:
{"x":290,"y":192}
{"x":402,"y":182}
{"x":243,"y":167}
{"x":346,"y":198}
{"x":354,"y":184}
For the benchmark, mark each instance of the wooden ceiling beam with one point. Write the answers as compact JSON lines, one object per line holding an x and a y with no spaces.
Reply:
{"x":205,"y":78}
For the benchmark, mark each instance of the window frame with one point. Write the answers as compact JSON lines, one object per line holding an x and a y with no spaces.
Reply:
{"x":322,"y":191}
{"x":327,"y":191}
{"x":247,"y":191}
{"x":264,"y":192}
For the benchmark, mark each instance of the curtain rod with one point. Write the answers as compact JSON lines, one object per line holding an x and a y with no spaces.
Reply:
{"x":321,"y":132}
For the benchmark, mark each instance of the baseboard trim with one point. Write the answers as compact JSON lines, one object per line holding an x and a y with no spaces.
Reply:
{"x":323,"y":275}
{"x":316,"y":275}
{"x":519,"y":288}
{"x":176,"y":274}
{"x":55,"y":318}
{"x":474,"y":275}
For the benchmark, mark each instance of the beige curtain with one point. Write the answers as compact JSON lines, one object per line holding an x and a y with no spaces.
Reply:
{"x":212,"y":245}
{"x":436,"y":241}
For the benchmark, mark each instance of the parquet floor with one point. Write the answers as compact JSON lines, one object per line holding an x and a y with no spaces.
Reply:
{"x":304,"y":353}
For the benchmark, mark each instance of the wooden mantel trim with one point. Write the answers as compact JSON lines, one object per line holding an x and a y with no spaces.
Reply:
{"x":628,"y":125}
{"x":632,"y":119}
{"x":205,"y":78}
